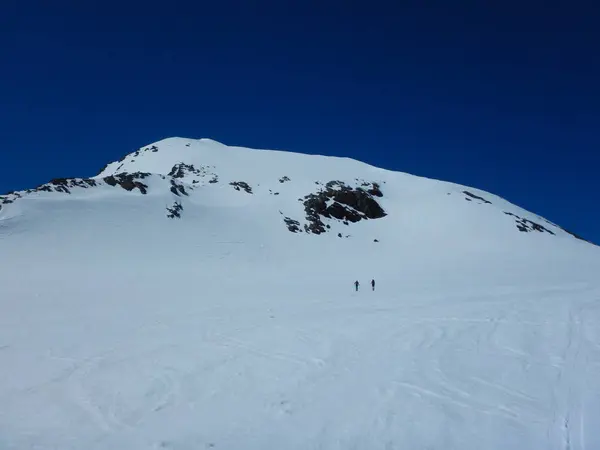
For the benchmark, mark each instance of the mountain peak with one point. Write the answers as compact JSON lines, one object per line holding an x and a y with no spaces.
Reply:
{"x":175,"y":141}
{"x":306,"y":193}
{"x":160,"y":157}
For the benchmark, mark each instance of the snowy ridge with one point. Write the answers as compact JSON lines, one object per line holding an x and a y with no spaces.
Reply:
{"x":189,"y":164}
{"x":195,"y":295}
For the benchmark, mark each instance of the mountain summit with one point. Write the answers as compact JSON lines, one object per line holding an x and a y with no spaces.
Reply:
{"x":194,"y":295}
{"x":311,"y":194}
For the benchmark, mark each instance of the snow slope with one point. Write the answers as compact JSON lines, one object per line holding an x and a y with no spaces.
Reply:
{"x":124,"y":328}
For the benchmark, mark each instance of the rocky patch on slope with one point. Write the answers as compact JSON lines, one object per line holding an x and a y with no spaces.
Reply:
{"x":526,"y":225}
{"x":178,"y":189}
{"x":372,"y":188}
{"x":470,"y":197}
{"x":292,"y":225}
{"x":175,"y":211}
{"x":183,"y":170}
{"x":342,"y":202}
{"x":128,"y":181}
{"x":241,"y":185}
{"x":62,"y":185}
{"x":65,"y":184}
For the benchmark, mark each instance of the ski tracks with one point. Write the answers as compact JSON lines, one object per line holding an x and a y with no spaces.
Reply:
{"x":233,"y":343}
{"x":115,"y":396}
{"x":573,"y":384}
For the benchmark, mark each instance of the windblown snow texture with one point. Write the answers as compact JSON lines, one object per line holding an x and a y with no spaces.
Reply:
{"x":194,"y":295}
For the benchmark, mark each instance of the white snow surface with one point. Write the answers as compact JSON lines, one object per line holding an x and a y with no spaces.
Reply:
{"x":123,"y":329}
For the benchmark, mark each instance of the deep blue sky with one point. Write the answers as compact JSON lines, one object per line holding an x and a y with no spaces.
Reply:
{"x":503,"y":96}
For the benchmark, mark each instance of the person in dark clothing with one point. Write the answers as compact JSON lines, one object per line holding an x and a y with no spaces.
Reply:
{"x":356,"y":285}
{"x":373,"y":284}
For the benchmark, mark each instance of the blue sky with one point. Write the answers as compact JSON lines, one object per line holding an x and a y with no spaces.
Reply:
{"x":503,"y":96}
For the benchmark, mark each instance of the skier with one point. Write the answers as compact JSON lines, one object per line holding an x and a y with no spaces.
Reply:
{"x":373,"y":284}
{"x":356,"y":285}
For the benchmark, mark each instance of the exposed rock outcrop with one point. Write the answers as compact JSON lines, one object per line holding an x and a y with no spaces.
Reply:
{"x":476,"y":197}
{"x":182,"y":170}
{"x":241,"y":185}
{"x":177,"y":189}
{"x":342,"y":202}
{"x":62,"y":185}
{"x":175,"y":211}
{"x":128,"y":181}
{"x":526,"y":225}
{"x":293,"y":225}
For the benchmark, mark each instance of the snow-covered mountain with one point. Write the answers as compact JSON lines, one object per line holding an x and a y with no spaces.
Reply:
{"x":197,"y":295}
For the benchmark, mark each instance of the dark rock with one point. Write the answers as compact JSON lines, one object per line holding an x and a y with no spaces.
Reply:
{"x":64,"y":184}
{"x":293,"y":225}
{"x":349,"y":205}
{"x":241,"y":185}
{"x":284,"y":179}
{"x":374,"y":189}
{"x":177,"y":189}
{"x":526,"y":225}
{"x":477,"y":197}
{"x":175,"y":211}
{"x":128,"y":181}
{"x":180,"y":170}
